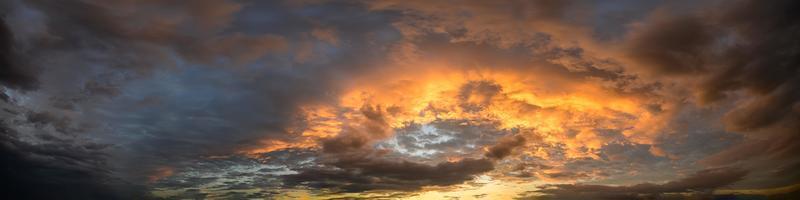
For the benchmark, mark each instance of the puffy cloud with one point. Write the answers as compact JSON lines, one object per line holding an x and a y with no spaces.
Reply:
{"x":504,"y":147}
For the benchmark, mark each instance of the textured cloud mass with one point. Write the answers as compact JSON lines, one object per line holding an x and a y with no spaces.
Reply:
{"x":242,"y":99}
{"x":703,"y":180}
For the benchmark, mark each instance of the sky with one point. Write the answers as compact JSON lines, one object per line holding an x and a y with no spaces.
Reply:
{"x":399,"y":99}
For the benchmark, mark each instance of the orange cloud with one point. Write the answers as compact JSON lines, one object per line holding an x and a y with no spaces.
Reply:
{"x":561,"y":111}
{"x":513,"y":99}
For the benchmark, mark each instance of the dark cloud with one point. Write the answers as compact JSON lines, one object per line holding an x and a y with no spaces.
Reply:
{"x":777,"y":148}
{"x":741,"y":51}
{"x":671,"y":44}
{"x":192,"y":193}
{"x":13,"y":72}
{"x":703,"y":181}
{"x":41,"y":119}
{"x":473,"y":20}
{"x":364,"y":174}
{"x":771,"y":159}
{"x":101,"y":57}
{"x":126,"y":37}
{"x":504,"y":147}
{"x":95,"y":87}
{"x":58,"y":170}
{"x":342,"y":144}
{"x":744,"y":46}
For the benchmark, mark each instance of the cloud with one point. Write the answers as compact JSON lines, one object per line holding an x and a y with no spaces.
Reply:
{"x":713,"y":50}
{"x":703,"y":181}
{"x":236,"y":48}
{"x":360,"y":133}
{"x":742,"y":52}
{"x":94,"y":52}
{"x":350,"y":165}
{"x":668,"y":45}
{"x":364,"y":174}
{"x":193,"y":30}
{"x":504,"y":147}
{"x":99,"y":57}
{"x":476,"y":95}
{"x":13,"y":72}
{"x":58,"y":169}
{"x":746,"y":46}
{"x":476,"y":21}
{"x":207,"y":99}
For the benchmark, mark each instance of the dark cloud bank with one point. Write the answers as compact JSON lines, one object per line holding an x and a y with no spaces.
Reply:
{"x":738,"y":47}
{"x":701,"y":182}
{"x":364,"y":174}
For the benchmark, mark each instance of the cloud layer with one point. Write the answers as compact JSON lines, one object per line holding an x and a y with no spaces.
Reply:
{"x":390,"y":99}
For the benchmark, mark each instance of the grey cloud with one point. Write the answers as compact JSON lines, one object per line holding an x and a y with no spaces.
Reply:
{"x":13,"y":72}
{"x":744,"y":46}
{"x":69,"y":168}
{"x":343,"y":144}
{"x":771,"y":159}
{"x":359,"y":174}
{"x":351,"y":167}
{"x":739,"y":54}
{"x":703,"y":181}
{"x":146,"y":76}
{"x":442,"y":139}
{"x":207,"y":110}
{"x":505,"y":146}
{"x":670,"y":45}
{"x":219,"y":175}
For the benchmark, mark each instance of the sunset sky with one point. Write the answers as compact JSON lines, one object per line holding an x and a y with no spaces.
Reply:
{"x":399,"y":99}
